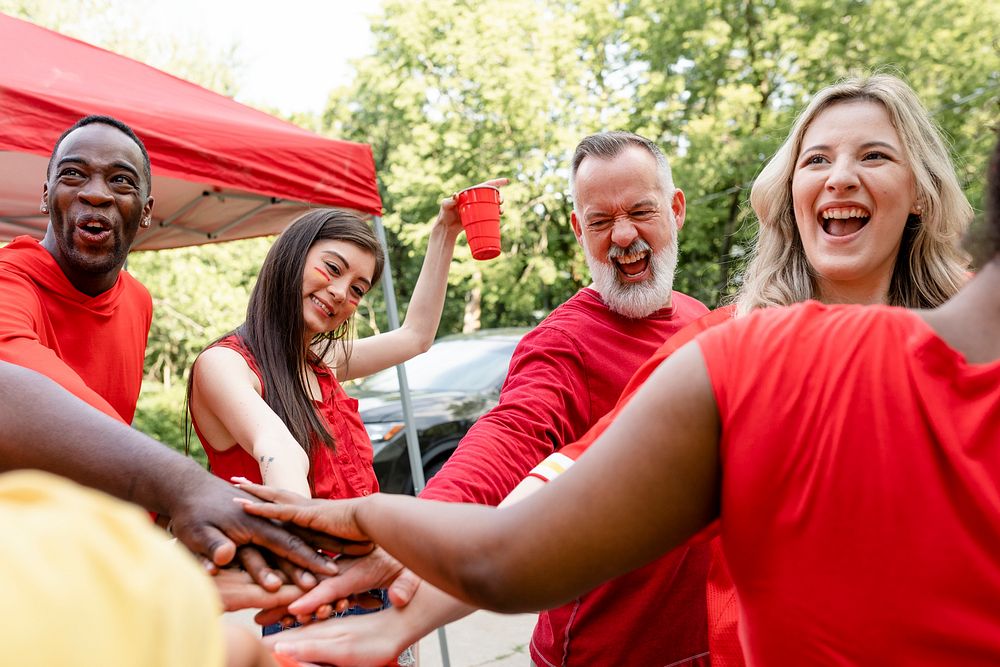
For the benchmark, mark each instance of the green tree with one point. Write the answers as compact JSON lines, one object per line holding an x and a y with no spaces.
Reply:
{"x":722,"y":81}
{"x":198,"y":293}
{"x":456,"y":92}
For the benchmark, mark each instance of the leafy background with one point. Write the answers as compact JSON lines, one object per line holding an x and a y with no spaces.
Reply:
{"x":457,"y":92}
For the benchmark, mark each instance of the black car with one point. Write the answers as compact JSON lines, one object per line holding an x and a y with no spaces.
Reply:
{"x":451,"y":386}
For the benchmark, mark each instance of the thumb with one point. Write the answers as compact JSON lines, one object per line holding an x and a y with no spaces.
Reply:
{"x":220,"y":548}
{"x":206,"y":541}
{"x":402,"y":590}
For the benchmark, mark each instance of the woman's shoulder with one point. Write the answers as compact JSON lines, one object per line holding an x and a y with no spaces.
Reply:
{"x":228,"y":358}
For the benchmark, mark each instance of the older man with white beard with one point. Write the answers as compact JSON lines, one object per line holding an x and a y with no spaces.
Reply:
{"x":568,"y":372}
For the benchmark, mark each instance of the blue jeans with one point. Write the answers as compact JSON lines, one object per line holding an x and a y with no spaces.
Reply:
{"x":378,"y":593}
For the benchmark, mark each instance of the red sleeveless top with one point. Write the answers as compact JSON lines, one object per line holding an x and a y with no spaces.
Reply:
{"x":344,"y":471}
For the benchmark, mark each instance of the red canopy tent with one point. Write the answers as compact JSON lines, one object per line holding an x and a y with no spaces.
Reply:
{"x":221,"y":170}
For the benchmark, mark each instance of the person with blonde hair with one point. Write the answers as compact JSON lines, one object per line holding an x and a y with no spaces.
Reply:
{"x":929,"y":265}
{"x":860,"y":204}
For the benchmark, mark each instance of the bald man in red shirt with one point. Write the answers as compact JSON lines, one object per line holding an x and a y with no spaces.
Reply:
{"x":70,"y":313}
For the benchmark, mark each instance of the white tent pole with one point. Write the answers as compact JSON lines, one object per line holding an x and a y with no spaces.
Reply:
{"x":412,"y":445}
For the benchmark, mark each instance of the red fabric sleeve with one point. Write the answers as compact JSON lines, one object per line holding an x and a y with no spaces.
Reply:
{"x":544,"y":402}
{"x":672,"y":344}
{"x":21,"y":344}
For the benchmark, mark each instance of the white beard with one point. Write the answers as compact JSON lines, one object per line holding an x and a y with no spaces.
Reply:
{"x":635,"y":300}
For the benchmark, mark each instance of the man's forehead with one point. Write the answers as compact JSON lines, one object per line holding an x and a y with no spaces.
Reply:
{"x":616,"y":188}
{"x":100,"y":142}
{"x":634,"y":156}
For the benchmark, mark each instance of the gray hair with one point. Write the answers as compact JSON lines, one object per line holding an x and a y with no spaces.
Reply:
{"x":607,"y":145}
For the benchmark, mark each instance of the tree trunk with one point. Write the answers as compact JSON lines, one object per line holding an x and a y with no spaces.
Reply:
{"x":473,"y":305}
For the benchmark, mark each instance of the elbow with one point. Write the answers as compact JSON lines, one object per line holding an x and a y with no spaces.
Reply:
{"x":425,"y":344}
{"x":419,"y":340}
{"x":493,"y":579}
{"x":486,"y":584}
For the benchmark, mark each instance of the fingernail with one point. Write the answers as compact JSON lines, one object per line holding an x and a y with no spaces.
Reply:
{"x":307,"y":579}
{"x":272,"y":579}
{"x":243,"y":501}
{"x":240,"y":480}
{"x":287,"y":649}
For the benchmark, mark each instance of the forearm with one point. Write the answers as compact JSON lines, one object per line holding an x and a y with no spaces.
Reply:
{"x":429,"y":609}
{"x":423,"y":314}
{"x":565,"y":538}
{"x":421,"y":535}
{"x":283,"y":463}
{"x":47,"y":428}
{"x":375,"y":353}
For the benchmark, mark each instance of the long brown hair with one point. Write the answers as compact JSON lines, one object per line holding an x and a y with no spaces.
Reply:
{"x":274,"y":329}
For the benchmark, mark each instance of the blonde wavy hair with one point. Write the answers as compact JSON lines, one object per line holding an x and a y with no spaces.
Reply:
{"x":931,"y":265}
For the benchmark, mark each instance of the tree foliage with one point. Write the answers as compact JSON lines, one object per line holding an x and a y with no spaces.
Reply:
{"x":457,"y":92}
{"x":198,"y":293}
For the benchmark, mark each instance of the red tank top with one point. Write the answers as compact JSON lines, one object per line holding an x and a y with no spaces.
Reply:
{"x":344,"y":471}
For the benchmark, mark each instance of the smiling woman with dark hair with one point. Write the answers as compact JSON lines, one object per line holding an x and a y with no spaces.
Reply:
{"x":266,"y":399}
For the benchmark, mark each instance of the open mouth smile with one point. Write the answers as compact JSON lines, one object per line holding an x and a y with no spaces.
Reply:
{"x":321,"y":305}
{"x":840,"y":221}
{"x":94,"y":229}
{"x":632,"y":265}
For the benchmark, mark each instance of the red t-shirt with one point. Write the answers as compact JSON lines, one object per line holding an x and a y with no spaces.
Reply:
{"x":345,"y":471}
{"x":721,"y":605}
{"x":564,"y":375}
{"x":860,"y":513}
{"x":93,"y":346}
{"x":671,"y":345}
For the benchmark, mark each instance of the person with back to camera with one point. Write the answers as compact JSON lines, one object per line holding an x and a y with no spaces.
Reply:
{"x":848,"y":452}
{"x":884,"y":159}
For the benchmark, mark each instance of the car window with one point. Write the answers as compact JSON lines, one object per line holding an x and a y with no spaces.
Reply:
{"x":450,"y":365}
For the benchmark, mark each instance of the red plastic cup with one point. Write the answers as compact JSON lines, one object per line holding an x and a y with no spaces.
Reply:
{"x":479,"y":211}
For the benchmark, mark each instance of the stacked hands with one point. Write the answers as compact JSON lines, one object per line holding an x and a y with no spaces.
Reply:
{"x":307,"y":585}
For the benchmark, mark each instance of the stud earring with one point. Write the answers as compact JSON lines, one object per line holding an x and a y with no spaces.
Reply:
{"x":44,"y":208}
{"x":145,"y":222}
